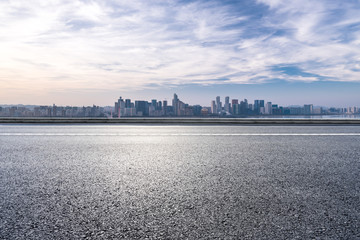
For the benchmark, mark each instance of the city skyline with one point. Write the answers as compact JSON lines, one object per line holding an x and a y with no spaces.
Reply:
{"x":196,"y":95}
{"x":169,"y":99}
{"x":219,"y":107}
{"x":87,"y":52}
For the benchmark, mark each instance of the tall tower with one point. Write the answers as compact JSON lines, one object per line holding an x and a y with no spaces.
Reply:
{"x":165,"y":107}
{"x":213,"y":107}
{"x":256,"y":106}
{"x":127,"y":103}
{"x":268,"y":108}
{"x":120,"y":107}
{"x":175,"y":104}
{"x":308,"y":109}
{"x":227,"y":104}
{"x":218,"y":104}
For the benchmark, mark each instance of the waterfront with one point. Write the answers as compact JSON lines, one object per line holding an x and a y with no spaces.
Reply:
{"x":161,"y":181}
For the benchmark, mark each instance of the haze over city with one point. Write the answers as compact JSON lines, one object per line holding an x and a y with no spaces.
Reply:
{"x":92,"y":52}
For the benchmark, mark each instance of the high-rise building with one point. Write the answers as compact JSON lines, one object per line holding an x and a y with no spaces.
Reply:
{"x":175,"y":105}
{"x":142,"y":108}
{"x":152,"y":110}
{"x":197,"y":110}
{"x":54,"y":110}
{"x":243,"y":107}
{"x":262,"y":103}
{"x":165,"y":106}
{"x":227,"y":99}
{"x":213,"y":107}
{"x":116,"y":108}
{"x":182,"y":108}
{"x":153,"y":103}
{"x":236,"y":108}
{"x":120,"y":107}
{"x":218,"y":104}
{"x":129,"y":109}
{"x":227,"y":107}
{"x":256,"y":106}
{"x":246,"y":105}
{"x":262,"y":110}
{"x":234,"y":101}
{"x":127,"y":103}
{"x":268,"y":108}
{"x":276,"y":110}
{"x":308,"y":109}
{"x":159,"y":106}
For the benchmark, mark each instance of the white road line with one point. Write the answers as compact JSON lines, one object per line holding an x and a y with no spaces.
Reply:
{"x":180,"y":134}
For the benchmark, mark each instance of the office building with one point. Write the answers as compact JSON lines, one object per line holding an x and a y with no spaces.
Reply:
{"x":213,"y":107}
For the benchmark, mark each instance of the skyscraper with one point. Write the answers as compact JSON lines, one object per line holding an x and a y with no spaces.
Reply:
{"x":268,"y":108}
{"x":218,"y":104}
{"x":165,"y":107}
{"x":256,"y":106}
{"x":308,"y":109}
{"x":262,"y":103}
{"x":142,"y":108}
{"x":159,"y":106}
{"x":120,"y":107}
{"x":213,"y":107}
{"x":127,"y":103}
{"x":175,"y":105}
{"x":243,"y":107}
{"x":227,"y":104}
{"x":153,"y":103}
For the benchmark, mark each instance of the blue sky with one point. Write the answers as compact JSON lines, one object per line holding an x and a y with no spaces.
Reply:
{"x":91,"y":52}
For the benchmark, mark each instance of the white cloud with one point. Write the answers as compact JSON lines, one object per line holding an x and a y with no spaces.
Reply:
{"x":319,"y":30}
{"x":131,"y":44}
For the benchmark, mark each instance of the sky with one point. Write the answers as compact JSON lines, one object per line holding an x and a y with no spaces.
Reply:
{"x":84,"y":52}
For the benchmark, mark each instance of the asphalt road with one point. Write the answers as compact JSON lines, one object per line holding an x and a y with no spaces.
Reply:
{"x":178,"y":182}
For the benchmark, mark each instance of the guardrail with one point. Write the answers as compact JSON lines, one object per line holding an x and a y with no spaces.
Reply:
{"x":181,"y":121}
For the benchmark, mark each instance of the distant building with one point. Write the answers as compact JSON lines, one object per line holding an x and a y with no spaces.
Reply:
{"x":262,"y":103}
{"x":308,"y":109}
{"x":244,"y":107}
{"x":120,"y":108}
{"x":256,"y":106}
{"x":218,"y":104}
{"x":262,"y":110}
{"x":227,"y":106}
{"x":268,"y":108}
{"x":175,"y":105}
{"x":296,"y":111}
{"x":213,"y":107}
{"x":235,"y":109}
{"x":197,"y":110}
{"x":204,"y":112}
{"x":127,"y":108}
{"x":142,"y":108}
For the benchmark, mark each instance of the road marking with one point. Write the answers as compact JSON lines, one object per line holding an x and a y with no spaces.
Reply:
{"x":179,"y":134}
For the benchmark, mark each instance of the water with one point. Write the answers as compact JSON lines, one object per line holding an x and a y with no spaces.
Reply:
{"x":197,"y":182}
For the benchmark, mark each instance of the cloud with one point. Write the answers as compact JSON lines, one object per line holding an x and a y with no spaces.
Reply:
{"x":324,"y":32}
{"x":135,"y":44}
